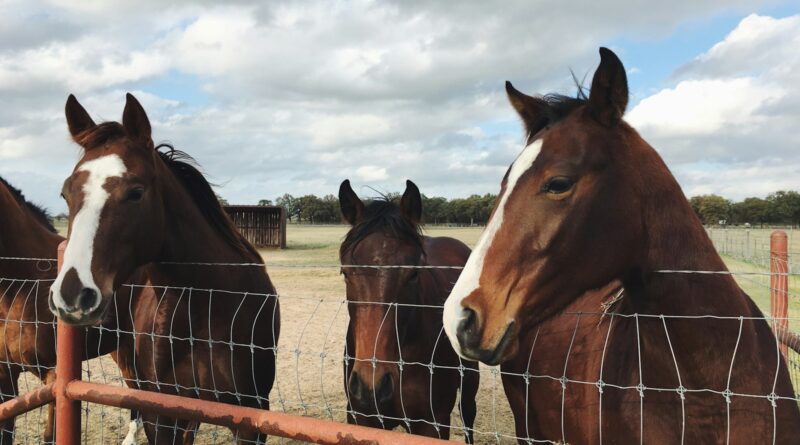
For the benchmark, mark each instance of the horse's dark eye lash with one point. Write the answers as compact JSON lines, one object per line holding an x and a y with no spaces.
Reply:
{"x":135,"y":194}
{"x":558,"y":184}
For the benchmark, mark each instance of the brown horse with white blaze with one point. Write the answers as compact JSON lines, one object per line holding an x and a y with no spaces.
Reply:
{"x":140,"y":213}
{"x":397,"y":279}
{"x":682,"y":358}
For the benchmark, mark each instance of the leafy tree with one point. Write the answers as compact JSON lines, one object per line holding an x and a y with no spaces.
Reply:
{"x":751,"y":210}
{"x":784,"y":207}
{"x":711,"y":208}
{"x":265,"y":202}
{"x":433,"y":209}
{"x":290,"y":203}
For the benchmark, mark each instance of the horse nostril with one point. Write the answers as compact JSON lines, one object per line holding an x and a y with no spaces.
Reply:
{"x":469,"y":323}
{"x":354,"y":387}
{"x":385,"y":389}
{"x":87,"y":299}
{"x":468,"y":329}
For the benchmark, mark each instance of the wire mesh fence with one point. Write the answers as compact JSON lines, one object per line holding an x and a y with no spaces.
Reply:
{"x":752,"y":245}
{"x":312,"y":353}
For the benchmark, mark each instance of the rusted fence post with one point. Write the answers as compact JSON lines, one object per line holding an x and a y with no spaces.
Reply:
{"x":69,"y":353}
{"x":779,"y":283}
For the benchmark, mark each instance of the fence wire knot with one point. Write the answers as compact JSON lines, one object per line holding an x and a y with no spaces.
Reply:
{"x":773,"y":398}
{"x":527,"y":377}
{"x":641,"y":388}
{"x":600,"y":384}
{"x":727,"y":394}
{"x":563,"y":381}
{"x":682,"y":392}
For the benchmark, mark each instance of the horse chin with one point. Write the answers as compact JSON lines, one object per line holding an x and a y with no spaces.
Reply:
{"x":506,"y":349}
{"x":94,"y":318}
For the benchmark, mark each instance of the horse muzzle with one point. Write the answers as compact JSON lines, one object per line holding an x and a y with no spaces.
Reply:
{"x":470,"y":336}
{"x":86,"y":311}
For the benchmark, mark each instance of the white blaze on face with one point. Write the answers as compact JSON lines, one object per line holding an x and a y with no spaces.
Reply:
{"x":469,"y":280}
{"x":80,"y":249}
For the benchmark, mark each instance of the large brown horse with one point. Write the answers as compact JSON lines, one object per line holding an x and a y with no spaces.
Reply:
{"x":680,"y":358}
{"x":139,"y":209}
{"x":395,"y":327}
{"x":27,"y":328}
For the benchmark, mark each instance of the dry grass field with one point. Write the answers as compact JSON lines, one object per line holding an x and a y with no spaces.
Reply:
{"x":309,"y":379}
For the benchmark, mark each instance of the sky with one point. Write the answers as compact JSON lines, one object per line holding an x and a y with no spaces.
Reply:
{"x":294,"y":97}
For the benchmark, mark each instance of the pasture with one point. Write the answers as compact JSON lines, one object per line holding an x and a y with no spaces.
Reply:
{"x":309,"y":378}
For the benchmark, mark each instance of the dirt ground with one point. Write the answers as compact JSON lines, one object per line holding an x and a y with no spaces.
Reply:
{"x":313,"y":317}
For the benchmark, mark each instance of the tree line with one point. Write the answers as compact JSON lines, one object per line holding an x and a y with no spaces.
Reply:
{"x":779,"y":208}
{"x":313,"y":209}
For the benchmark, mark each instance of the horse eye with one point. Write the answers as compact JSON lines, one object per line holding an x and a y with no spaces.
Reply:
{"x":414,"y":275}
{"x":558,"y":185}
{"x":135,"y":194}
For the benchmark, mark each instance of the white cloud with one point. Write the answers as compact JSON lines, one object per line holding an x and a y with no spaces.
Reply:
{"x":728,"y":125}
{"x":349,"y":129}
{"x":286,"y":97}
{"x":703,"y":107}
{"x":371,"y":173}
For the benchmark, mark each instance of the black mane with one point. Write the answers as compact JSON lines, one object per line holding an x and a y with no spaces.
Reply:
{"x":38,"y":212}
{"x":555,"y":107}
{"x":100,"y":134}
{"x":381,"y":215}
{"x":183,"y":167}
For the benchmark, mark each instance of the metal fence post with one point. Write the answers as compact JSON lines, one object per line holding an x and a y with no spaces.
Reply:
{"x":779,"y":283}
{"x":747,"y":245}
{"x":69,"y":353}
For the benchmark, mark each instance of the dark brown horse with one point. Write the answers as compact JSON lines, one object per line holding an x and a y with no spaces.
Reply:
{"x":139,"y":212}
{"x":27,"y":328}
{"x":680,"y":358}
{"x":395,"y":328}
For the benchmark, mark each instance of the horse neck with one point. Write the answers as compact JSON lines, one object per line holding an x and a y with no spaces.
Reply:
{"x":21,"y":235}
{"x":190,"y":237}
{"x":675,"y":239}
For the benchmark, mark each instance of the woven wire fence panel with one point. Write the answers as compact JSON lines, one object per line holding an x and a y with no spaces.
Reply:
{"x":310,"y":356}
{"x":23,"y":333}
{"x":753,"y":245}
{"x":309,"y":379}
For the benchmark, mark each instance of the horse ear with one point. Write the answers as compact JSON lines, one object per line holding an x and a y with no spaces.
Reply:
{"x":78,"y":119}
{"x":533,"y":111}
{"x":135,"y":120}
{"x":411,"y":203}
{"x":609,"y":95}
{"x":350,"y":203}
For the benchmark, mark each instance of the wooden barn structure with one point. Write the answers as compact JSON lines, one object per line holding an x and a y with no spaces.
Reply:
{"x":264,"y":226}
